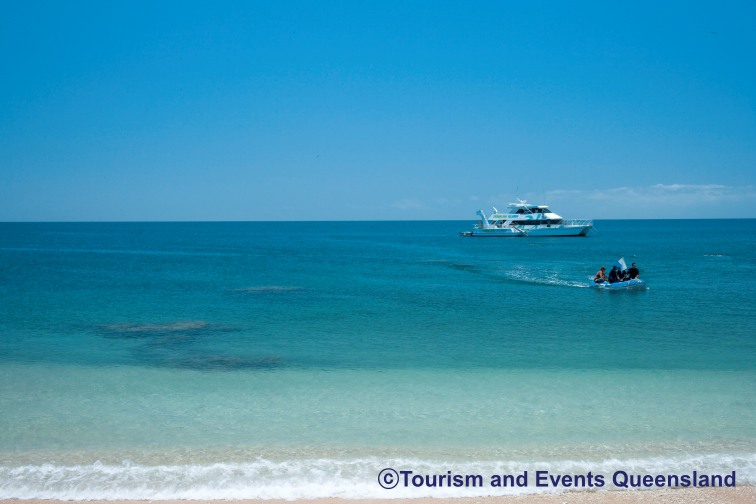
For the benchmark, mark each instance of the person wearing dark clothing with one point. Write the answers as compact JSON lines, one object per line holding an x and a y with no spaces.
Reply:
{"x":633,"y":272}
{"x":614,"y":275}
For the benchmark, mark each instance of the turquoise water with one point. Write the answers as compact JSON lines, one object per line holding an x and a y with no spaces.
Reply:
{"x":281,"y":360}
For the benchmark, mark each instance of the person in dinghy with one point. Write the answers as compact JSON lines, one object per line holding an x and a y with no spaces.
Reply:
{"x":620,"y":277}
{"x":600,"y":275}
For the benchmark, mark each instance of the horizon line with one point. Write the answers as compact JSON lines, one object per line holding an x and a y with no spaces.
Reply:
{"x":220,"y":221}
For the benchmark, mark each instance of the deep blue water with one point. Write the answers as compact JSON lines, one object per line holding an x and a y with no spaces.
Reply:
{"x":376,"y":295}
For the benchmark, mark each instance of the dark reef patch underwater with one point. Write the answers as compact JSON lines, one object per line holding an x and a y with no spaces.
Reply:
{"x":174,"y":345}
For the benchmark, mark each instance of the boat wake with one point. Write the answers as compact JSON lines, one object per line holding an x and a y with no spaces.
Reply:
{"x":542,"y":277}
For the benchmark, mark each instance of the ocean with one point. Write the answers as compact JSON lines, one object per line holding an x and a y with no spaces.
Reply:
{"x":370,"y":359}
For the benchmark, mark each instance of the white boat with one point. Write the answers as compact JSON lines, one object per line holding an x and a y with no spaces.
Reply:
{"x":523,"y":219}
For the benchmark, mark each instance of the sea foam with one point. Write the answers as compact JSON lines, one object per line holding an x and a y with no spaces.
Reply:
{"x":328,"y":478}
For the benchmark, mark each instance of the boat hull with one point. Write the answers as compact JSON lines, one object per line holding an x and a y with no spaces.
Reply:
{"x":529,"y":231}
{"x":627,"y":284}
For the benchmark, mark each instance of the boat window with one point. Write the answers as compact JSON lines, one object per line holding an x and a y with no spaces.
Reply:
{"x":546,"y":210}
{"x":520,"y":210}
{"x":535,"y":222}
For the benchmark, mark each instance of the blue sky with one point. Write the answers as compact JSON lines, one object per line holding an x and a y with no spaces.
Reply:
{"x":375,"y":110}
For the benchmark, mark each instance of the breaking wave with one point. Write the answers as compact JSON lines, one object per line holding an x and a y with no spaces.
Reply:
{"x":324,"y":477}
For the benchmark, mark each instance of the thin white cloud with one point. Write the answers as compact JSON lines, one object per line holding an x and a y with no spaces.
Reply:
{"x":656,"y":201}
{"x":679,"y":193}
{"x":689,"y":187}
{"x":409,"y":204}
{"x":661,"y":193}
{"x":659,"y":200}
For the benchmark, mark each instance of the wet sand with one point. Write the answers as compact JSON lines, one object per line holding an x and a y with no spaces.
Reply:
{"x":738,"y":495}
